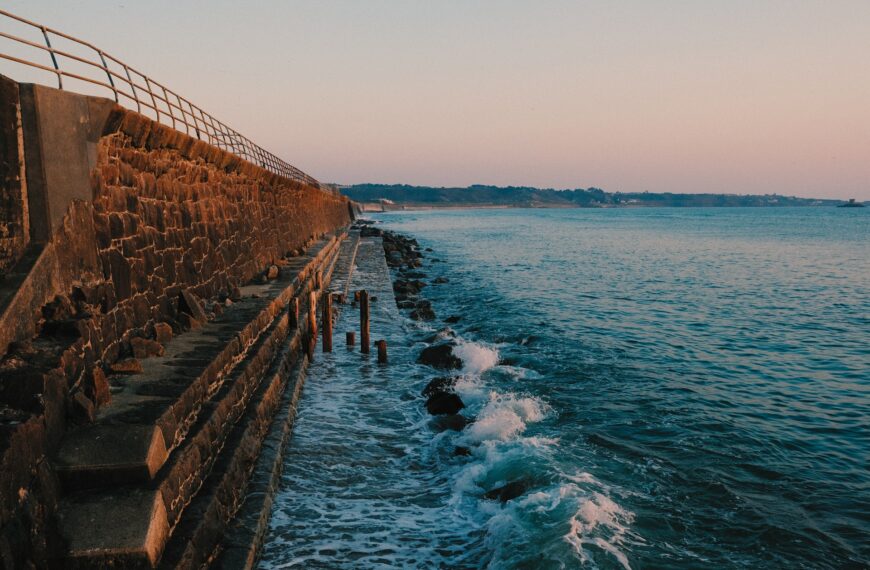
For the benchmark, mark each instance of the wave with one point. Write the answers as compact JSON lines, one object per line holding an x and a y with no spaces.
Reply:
{"x":558,"y":509}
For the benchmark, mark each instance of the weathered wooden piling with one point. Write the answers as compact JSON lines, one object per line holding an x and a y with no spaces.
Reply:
{"x":326,"y":320}
{"x":350,"y":337}
{"x":382,"y":351}
{"x":293,"y":313}
{"x":312,"y":316}
{"x":364,"y":340}
{"x":318,"y":279}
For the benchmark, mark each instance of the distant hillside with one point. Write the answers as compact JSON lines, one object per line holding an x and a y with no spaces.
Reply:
{"x":522,"y":196}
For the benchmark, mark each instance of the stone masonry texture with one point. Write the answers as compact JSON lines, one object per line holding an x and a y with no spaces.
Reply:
{"x":169,"y":213}
{"x":13,"y":190}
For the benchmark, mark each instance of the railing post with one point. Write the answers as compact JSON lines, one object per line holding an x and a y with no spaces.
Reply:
{"x":215,"y":131}
{"x":53,"y":58}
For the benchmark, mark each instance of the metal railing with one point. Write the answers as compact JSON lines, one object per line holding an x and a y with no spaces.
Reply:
{"x":134,"y":89}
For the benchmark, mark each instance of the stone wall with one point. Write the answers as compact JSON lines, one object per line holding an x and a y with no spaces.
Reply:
{"x":168,"y":213}
{"x":14,"y":223}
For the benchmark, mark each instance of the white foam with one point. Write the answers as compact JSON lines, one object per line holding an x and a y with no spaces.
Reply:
{"x":476,"y":358}
{"x":599,"y":521}
{"x":504,"y":417}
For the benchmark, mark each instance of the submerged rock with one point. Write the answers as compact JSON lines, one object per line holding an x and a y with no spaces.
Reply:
{"x":440,"y":356}
{"x":424,"y":313}
{"x":443,"y":334}
{"x":507,"y":492}
{"x":440,"y":384}
{"x":456,"y":422}
{"x":461,"y":451}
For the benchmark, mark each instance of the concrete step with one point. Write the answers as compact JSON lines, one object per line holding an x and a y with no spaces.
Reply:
{"x":205,"y":450}
{"x":242,"y":537}
{"x":125,"y":528}
{"x":192,"y":460}
{"x":156,"y":408}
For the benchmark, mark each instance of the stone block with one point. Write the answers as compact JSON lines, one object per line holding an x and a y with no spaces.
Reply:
{"x":163,"y":333}
{"x":145,"y":348}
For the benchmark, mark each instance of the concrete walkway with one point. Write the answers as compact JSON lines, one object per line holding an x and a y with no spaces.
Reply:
{"x":361,"y":488}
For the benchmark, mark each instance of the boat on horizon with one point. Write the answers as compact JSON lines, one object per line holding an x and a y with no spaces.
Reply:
{"x":851,"y":204}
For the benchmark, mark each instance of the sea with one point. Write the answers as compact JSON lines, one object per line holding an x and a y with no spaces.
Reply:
{"x":673,"y":388}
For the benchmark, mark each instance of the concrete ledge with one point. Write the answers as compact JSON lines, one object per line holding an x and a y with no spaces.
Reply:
{"x":132,"y":537}
{"x":97,"y":455}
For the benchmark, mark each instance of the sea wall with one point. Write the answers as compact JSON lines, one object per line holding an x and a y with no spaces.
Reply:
{"x":14,"y":219}
{"x":121,"y":214}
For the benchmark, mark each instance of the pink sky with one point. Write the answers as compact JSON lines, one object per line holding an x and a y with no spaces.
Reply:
{"x":680,"y":96}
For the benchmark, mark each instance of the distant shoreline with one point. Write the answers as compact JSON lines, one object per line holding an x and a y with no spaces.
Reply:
{"x":374,"y":207}
{"x":385,"y":197}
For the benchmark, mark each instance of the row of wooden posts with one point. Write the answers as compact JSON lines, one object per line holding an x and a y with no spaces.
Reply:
{"x":361,"y":297}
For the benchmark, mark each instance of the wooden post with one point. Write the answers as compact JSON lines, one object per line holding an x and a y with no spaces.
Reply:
{"x":350,"y":336}
{"x":312,"y":317}
{"x":293,"y":313}
{"x":364,"y":322}
{"x":382,"y":351}
{"x":326,"y":321}
{"x":318,"y":279}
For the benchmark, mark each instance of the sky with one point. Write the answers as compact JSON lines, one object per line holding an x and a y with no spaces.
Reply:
{"x":747,"y":97}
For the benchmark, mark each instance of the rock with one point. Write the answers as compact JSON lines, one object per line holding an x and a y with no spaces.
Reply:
{"x":188,"y":323}
{"x":408,"y":288}
{"x":228,"y":303}
{"x":423,"y":314}
{"x":272,"y":272}
{"x":461,"y":451}
{"x":65,"y":328}
{"x":406,"y":304}
{"x":102,"y":392}
{"x":414,"y":274}
{"x":443,"y":334}
{"x":190,"y":305}
{"x":456,"y":422}
{"x":440,"y":356}
{"x":453,"y":319}
{"x":440,"y":384}
{"x":126,"y":366}
{"x":146,"y":348}
{"x":444,"y":404}
{"x":163,"y":333}
{"x":507,"y":492}
{"x":82,"y":408}
{"x":235,"y":294}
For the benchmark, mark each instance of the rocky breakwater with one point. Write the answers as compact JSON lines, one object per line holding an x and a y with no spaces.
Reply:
{"x":443,"y":352}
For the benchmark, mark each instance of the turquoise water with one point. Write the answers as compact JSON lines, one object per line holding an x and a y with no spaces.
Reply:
{"x":678,"y":387}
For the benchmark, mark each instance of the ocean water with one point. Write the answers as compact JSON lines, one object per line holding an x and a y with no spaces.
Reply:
{"x":678,"y":388}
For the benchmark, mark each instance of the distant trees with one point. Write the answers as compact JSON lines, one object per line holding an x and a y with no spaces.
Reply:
{"x":479,"y":194}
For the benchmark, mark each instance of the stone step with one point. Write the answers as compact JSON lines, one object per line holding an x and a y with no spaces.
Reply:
{"x":204,"y":523}
{"x":151,"y":416}
{"x":242,"y":538}
{"x":126,"y":528}
{"x":242,"y":398}
{"x":192,"y":460}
